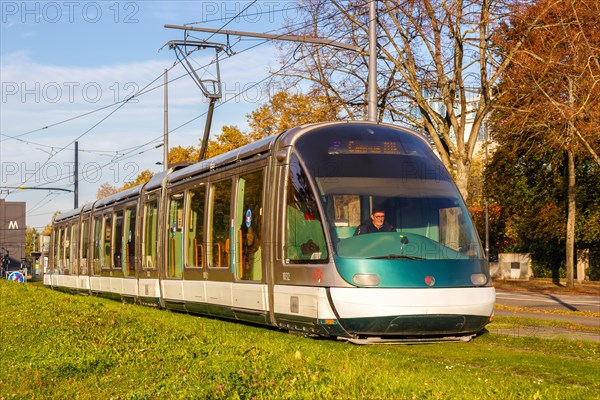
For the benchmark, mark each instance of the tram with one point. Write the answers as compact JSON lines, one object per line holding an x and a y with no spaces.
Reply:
{"x":266,"y":234}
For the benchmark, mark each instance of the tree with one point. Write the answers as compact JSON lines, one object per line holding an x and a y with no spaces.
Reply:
{"x":550,"y":92}
{"x":285,"y":111}
{"x":31,"y":237}
{"x":437,"y":66}
{"x":528,"y":190}
{"x":182,"y":154}
{"x":105,"y":190}
{"x":231,"y":137}
{"x":142,"y":178}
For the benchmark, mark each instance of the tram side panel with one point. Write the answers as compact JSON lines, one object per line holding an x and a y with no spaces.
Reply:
{"x":211,"y":226}
{"x":302,"y":268}
{"x":149,"y":290}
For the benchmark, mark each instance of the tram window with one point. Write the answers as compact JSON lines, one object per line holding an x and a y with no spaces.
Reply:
{"x":150,"y":234}
{"x":175,"y":237}
{"x":59,"y":250}
{"x":346,"y":214}
{"x":55,"y":248}
{"x":221,"y":222}
{"x":118,"y":248}
{"x":195,"y":227}
{"x":75,"y":248}
{"x":249,"y":216}
{"x":66,"y":249}
{"x":97,"y":245}
{"x":452,"y":230}
{"x":128,"y":257}
{"x":83,"y":249}
{"x":107,"y":236}
{"x":305,"y":240}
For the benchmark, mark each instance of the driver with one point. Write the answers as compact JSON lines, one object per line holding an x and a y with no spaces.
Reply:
{"x":376,"y":224}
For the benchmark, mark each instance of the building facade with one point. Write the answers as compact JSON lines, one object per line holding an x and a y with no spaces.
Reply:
{"x":12,"y":232}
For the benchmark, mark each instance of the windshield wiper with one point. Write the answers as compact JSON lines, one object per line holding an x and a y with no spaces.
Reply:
{"x":396,"y":257}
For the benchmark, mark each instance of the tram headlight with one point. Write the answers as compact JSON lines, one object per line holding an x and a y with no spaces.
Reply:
{"x":478,"y":279}
{"x":366,"y":279}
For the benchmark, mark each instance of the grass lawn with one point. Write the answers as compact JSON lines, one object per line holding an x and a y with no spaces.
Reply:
{"x":60,"y":346}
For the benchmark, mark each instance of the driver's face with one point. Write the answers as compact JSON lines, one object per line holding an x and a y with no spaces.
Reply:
{"x":378,"y":219}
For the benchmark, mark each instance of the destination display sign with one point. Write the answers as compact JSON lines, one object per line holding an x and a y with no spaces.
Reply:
{"x":365,"y":147}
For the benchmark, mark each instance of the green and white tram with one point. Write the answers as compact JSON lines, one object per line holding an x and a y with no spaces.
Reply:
{"x":266,"y":234}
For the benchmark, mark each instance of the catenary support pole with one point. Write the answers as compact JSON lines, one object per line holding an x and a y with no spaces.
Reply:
{"x":372,"y":78}
{"x":76,"y":177}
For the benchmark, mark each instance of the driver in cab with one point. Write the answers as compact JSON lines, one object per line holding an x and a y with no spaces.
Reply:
{"x":376,"y":224}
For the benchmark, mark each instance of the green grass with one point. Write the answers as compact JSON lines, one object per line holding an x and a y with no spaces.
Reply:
{"x":59,"y":346}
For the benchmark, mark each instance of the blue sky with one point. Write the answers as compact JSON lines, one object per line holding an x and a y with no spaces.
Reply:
{"x":66,"y":66}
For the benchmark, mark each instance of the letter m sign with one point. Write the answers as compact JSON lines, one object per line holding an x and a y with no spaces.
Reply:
{"x":13,"y":225}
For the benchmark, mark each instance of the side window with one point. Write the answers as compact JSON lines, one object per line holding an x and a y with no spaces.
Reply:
{"x":305,"y":239}
{"x":150,"y":234}
{"x":249,"y":223}
{"x":75,"y":248}
{"x":66,"y":237}
{"x":58,"y":250}
{"x":346,"y":209}
{"x":220,"y":224}
{"x":85,"y":243}
{"x":195,"y":227}
{"x":118,"y":248}
{"x":55,"y":247}
{"x":106,"y":238}
{"x":97,"y":244}
{"x":175,"y":237}
{"x":128,"y":240}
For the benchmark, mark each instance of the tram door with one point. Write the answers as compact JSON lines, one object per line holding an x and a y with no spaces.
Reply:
{"x":175,"y":237}
{"x":219,"y":250}
{"x":248,"y":223}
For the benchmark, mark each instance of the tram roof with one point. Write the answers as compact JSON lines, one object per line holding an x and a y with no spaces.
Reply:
{"x":65,"y":215}
{"x":117,"y":197}
{"x":286,"y":138}
{"x":236,"y":155}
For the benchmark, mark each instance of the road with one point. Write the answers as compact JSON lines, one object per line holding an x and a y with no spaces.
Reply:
{"x":537,"y":301}
{"x":548,"y":301}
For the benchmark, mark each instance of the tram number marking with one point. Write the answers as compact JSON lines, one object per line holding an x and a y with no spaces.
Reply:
{"x":287,"y":276}
{"x":318,"y":275}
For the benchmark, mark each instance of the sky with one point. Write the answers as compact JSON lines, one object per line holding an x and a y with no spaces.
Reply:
{"x":67,"y":67}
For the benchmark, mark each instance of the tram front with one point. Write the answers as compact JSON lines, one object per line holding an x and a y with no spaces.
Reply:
{"x":421,"y":272}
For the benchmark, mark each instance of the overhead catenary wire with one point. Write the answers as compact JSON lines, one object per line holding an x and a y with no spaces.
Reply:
{"x":143,"y":92}
{"x":133,"y":151}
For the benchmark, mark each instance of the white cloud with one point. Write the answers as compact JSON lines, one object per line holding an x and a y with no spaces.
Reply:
{"x":36,"y":95}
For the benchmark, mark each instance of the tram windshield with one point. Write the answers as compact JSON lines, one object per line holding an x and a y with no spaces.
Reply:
{"x":392,"y":186}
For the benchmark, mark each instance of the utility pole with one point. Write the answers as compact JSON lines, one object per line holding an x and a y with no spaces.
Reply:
{"x":487,"y":199}
{"x":214,"y":95}
{"x":76,"y":177}
{"x":372,"y":76}
{"x":166,"y":125}
{"x":372,"y":79}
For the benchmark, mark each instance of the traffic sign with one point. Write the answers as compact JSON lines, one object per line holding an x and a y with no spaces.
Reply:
{"x":16,"y":276}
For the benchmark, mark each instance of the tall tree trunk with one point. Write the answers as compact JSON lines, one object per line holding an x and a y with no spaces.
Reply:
{"x":571,"y":210}
{"x":462,"y":178}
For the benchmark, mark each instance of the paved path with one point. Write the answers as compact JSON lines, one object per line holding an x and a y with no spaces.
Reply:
{"x":540,"y":303}
{"x":548,"y":301}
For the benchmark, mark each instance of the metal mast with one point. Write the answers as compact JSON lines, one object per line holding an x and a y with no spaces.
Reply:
{"x":166,"y":124}
{"x":372,"y":79}
{"x":76,"y":177}
{"x":212,"y":88}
